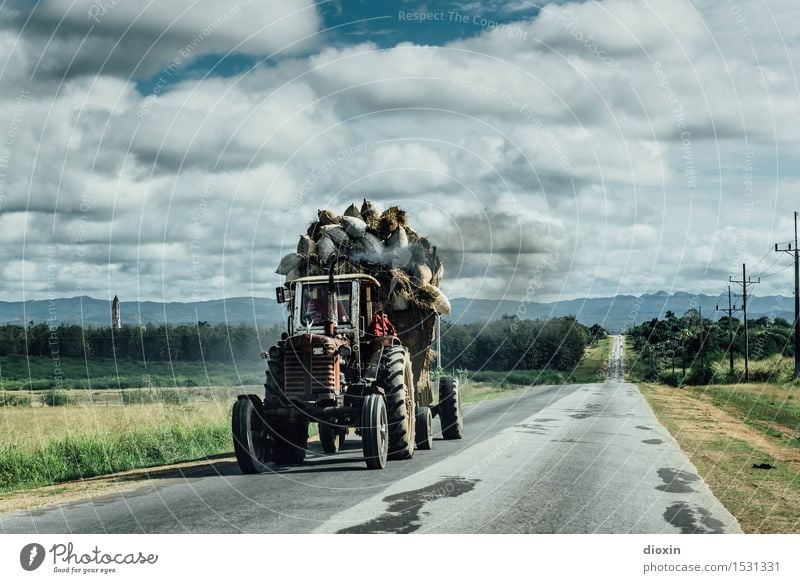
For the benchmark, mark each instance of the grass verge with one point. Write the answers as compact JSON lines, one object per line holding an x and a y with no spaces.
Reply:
{"x":47,"y":445}
{"x":85,"y":456}
{"x":725,"y":432}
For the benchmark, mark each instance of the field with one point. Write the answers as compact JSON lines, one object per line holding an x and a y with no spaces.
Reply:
{"x":19,"y":372}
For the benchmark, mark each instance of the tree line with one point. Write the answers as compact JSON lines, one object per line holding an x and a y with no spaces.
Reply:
{"x":510,"y":343}
{"x":502,"y":345}
{"x":165,"y":342}
{"x":691,"y":344}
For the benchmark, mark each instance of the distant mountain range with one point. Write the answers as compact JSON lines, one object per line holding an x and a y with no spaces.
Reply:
{"x":261,"y":311}
{"x":614,"y":313}
{"x":619,"y":312}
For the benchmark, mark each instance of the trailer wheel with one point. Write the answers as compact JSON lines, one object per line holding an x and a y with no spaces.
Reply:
{"x":331,"y":437}
{"x":424,"y":428}
{"x":375,"y":432}
{"x":397,"y":381}
{"x":289,"y":441}
{"x":250,"y":438}
{"x":450,"y":408}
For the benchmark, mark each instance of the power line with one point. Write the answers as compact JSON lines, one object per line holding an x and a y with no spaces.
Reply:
{"x":771,"y":265}
{"x":768,"y":275}
{"x":762,"y":258}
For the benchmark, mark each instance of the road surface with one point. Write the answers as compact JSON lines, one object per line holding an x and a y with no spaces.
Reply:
{"x":556,"y":459}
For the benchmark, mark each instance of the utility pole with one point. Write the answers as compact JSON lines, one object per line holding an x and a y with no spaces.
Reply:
{"x":702,"y":342}
{"x":730,"y":310}
{"x":744,"y":283}
{"x":794,"y":251}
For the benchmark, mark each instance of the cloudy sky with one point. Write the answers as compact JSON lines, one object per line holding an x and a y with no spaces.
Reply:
{"x":175,"y":150}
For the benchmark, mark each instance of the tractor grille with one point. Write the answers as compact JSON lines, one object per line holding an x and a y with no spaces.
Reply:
{"x":306,"y":373}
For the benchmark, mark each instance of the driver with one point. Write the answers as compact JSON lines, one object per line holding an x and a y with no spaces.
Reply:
{"x":317,"y":307}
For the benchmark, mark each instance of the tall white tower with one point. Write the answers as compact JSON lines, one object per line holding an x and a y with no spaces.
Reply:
{"x":116,"y":318}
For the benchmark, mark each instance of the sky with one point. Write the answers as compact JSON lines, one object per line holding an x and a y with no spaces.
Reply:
{"x":175,"y":151}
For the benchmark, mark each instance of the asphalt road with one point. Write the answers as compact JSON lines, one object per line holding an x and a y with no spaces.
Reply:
{"x":556,"y":459}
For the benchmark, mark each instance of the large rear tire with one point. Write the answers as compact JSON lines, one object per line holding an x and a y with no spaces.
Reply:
{"x":450,"y":408}
{"x":331,"y":437}
{"x":289,"y":441}
{"x":424,"y":428}
{"x":375,"y":432}
{"x":251,"y":442}
{"x":397,"y":380}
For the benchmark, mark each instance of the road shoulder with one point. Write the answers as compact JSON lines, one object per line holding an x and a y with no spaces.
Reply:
{"x":724,"y":449}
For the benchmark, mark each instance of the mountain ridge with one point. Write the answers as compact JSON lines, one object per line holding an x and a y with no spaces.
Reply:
{"x":615,"y":313}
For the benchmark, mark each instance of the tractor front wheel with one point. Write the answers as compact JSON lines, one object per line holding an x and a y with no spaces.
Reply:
{"x":375,"y":432}
{"x":251,"y":441}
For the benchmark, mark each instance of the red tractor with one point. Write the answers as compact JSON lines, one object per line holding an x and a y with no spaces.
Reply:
{"x":344,"y":364}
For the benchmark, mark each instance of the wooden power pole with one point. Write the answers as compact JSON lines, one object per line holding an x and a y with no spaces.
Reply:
{"x":744,"y":283}
{"x":729,"y":310}
{"x":794,"y":251}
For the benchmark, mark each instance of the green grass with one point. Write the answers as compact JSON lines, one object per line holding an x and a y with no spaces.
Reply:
{"x":594,"y":365}
{"x":17,"y":372}
{"x":753,"y":406}
{"x":84,"y":456}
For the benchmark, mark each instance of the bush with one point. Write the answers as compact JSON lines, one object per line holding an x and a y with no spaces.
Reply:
{"x":15,"y":400}
{"x":666,"y":377}
{"x":138,"y":396}
{"x":172,"y":396}
{"x":56,"y":398}
{"x":144,"y":396}
{"x":699,"y":374}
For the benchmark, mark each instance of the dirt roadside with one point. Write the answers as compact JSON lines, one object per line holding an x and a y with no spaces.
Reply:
{"x":91,"y":488}
{"x":725,"y":450}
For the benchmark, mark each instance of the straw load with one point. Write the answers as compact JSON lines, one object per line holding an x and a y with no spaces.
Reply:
{"x":380,"y":244}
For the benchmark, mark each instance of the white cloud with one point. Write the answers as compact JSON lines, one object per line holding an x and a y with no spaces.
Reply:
{"x":504,"y":148}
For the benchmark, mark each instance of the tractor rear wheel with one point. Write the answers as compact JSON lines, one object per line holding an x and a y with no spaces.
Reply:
{"x":450,"y":408}
{"x":424,"y":428}
{"x":397,"y":380}
{"x":289,"y":441}
{"x":375,"y":432}
{"x":331,"y":437}
{"x":251,"y":441}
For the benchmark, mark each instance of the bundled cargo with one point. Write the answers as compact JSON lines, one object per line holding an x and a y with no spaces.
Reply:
{"x":382,"y":245}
